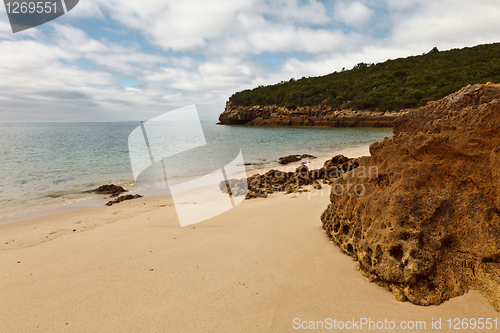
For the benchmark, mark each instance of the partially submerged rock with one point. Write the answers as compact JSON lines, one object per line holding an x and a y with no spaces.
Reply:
{"x":111,"y":190}
{"x":114,"y":191}
{"x":427,"y":226}
{"x":294,"y":158}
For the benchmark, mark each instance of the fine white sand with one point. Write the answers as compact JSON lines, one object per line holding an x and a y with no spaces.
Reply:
{"x":132,"y":268}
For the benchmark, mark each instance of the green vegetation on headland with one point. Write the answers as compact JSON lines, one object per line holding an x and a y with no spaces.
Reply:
{"x":392,"y":85}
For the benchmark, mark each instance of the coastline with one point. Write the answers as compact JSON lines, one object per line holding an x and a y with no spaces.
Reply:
{"x":96,"y":206}
{"x":96,"y":201}
{"x":318,"y":115}
{"x":131,"y":267}
{"x":58,"y":178}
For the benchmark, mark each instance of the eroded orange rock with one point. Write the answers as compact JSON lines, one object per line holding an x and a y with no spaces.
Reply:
{"x":427,"y":226}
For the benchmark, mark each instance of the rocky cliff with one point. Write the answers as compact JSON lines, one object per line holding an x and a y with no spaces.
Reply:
{"x":425,"y":222}
{"x":319,"y":115}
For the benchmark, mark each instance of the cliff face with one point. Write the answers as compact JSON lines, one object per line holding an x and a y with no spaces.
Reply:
{"x":320,"y":115}
{"x":427,"y":223}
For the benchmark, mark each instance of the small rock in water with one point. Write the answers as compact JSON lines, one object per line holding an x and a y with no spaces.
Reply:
{"x":113,"y":190}
{"x":294,"y":158}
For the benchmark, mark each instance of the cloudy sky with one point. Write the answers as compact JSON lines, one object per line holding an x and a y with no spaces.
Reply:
{"x":112,"y":60}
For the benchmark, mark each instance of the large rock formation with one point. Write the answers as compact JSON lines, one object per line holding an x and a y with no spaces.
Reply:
{"x":319,"y":115}
{"x":427,"y":224}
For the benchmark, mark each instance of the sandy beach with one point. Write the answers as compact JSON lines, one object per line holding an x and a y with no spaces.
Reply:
{"x":264,"y":266}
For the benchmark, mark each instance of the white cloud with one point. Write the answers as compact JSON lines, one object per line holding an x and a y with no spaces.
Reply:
{"x":448,"y":24}
{"x":198,"y":24}
{"x":87,"y":9}
{"x":207,"y":50}
{"x":292,"y":12}
{"x":177,"y":25}
{"x":289,"y":39}
{"x":353,"y":14}
{"x":133,"y":90}
{"x":399,"y":5}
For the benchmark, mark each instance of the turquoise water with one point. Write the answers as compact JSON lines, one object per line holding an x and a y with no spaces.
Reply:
{"x":49,"y":165}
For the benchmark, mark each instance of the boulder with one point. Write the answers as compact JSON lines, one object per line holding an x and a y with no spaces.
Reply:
{"x":425,"y":223}
{"x":111,"y":190}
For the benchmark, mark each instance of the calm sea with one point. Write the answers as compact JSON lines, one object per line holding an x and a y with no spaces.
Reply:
{"x":51,"y":165}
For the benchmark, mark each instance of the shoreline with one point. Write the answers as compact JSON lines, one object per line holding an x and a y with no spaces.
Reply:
{"x":131,"y":267}
{"x":95,"y":202}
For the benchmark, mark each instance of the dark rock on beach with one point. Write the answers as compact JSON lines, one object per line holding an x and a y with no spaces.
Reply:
{"x":252,"y":163}
{"x":427,"y":226}
{"x":123,"y":198}
{"x":114,"y":191}
{"x":111,"y":190}
{"x":294,"y":158}
{"x":319,"y":115}
{"x":260,"y":186}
